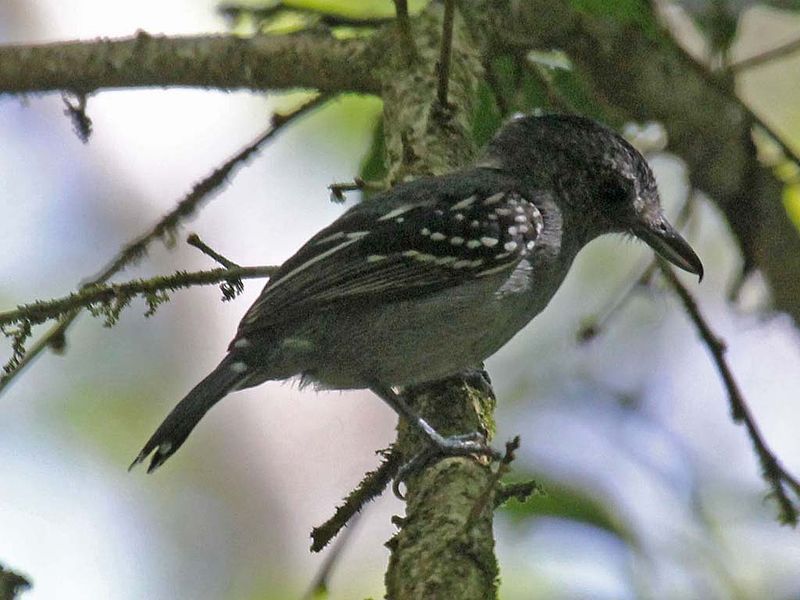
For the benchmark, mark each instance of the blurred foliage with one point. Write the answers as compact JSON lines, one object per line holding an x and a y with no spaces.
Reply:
{"x":791,"y":200}
{"x":719,"y":19}
{"x":634,"y":12}
{"x":288,"y":16}
{"x":373,"y":166}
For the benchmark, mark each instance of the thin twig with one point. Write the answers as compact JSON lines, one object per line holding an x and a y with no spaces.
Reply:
{"x":765,"y":57}
{"x":521,"y":491}
{"x":194,"y":240}
{"x":339,"y":189}
{"x":319,"y":584}
{"x":404,"y":27}
{"x":773,"y":471}
{"x":164,"y":229}
{"x":230,"y":288}
{"x":371,"y":486}
{"x":445,"y":52}
{"x":41,"y":311}
{"x":76,"y":111}
{"x":487,"y":496}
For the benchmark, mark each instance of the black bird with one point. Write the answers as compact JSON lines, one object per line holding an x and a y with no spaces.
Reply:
{"x":432,"y":277}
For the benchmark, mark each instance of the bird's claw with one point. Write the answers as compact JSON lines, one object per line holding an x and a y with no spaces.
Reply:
{"x":468,"y":444}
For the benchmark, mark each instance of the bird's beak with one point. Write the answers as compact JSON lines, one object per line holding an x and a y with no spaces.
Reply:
{"x":666,"y":241}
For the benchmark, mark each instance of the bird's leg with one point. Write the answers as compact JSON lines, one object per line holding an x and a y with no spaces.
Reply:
{"x":455,"y":445}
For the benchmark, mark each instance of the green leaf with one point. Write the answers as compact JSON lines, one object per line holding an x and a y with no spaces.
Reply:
{"x":791,"y":201}
{"x":355,"y":10}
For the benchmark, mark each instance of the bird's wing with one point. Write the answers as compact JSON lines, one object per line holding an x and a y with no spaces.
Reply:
{"x":408,"y":245}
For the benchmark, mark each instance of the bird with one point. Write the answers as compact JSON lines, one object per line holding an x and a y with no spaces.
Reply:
{"x":433,"y":276}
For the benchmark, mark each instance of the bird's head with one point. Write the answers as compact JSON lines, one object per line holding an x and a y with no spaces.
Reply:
{"x":602,"y":183}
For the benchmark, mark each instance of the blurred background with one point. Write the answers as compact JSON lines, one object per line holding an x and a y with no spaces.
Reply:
{"x":653,"y":491}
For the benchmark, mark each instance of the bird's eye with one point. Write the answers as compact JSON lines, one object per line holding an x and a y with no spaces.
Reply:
{"x":616,"y":190}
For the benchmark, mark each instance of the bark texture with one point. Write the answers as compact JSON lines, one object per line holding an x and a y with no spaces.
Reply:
{"x":442,"y":550}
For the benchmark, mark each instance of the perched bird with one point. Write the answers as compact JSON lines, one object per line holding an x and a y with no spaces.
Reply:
{"x":433,"y":276}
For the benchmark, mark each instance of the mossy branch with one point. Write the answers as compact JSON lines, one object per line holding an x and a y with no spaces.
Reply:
{"x":108,"y":301}
{"x":306,"y":60}
{"x":103,"y":299}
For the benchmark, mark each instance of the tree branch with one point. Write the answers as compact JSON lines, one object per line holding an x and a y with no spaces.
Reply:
{"x":306,"y":60}
{"x":121,"y":293}
{"x":445,"y":51}
{"x":765,"y":57}
{"x":777,"y":477}
{"x":431,"y":555}
{"x":372,"y":485}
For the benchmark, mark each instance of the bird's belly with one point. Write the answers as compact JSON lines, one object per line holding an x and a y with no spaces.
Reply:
{"x":415,"y":341}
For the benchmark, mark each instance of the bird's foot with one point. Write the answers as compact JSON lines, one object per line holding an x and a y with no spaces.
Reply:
{"x":469,"y":444}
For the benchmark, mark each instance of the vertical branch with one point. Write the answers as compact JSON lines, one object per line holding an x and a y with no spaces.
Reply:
{"x":404,"y":27}
{"x":445,"y":52}
{"x":777,"y":477}
{"x":443,"y":548}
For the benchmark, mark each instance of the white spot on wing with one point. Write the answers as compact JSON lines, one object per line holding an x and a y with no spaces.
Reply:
{"x":372,"y":258}
{"x":494,"y":198}
{"x":438,"y":237}
{"x":307,"y":264}
{"x":472,"y":244}
{"x":397,"y":212}
{"x":238,"y":367}
{"x":456,"y":241}
{"x":466,"y":203}
{"x":489,"y":242}
{"x":241,"y":343}
{"x":493,"y":270}
{"x":510,"y":246}
{"x":336,"y":236}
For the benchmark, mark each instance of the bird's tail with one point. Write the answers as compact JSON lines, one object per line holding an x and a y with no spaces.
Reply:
{"x":171,"y":434}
